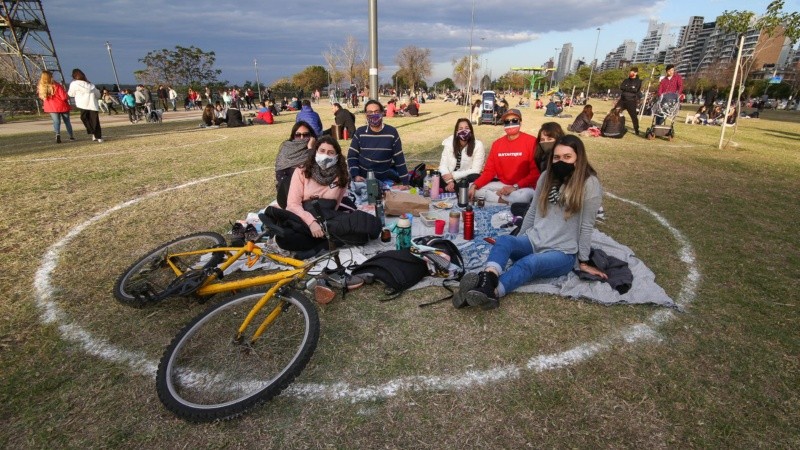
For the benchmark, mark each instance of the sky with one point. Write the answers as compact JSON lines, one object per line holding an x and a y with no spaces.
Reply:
{"x":285,"y":37}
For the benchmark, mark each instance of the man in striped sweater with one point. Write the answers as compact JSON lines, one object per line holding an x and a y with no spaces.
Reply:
{"x":377,"y":147}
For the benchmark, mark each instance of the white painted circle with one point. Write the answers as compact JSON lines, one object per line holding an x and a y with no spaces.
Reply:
{"x":70,"y":331}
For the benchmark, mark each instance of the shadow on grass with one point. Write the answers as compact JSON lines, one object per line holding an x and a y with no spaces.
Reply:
{"x":783,"y":134}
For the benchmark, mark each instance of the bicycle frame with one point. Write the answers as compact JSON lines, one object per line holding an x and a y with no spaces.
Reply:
{"x":212,"y":285}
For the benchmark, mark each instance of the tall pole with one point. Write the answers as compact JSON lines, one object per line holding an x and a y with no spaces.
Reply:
{"x":373,"y":49}
{"x":733,"y":87}
{"x":647,"y":92}
{"x":468,"y":103}
{"x":553,"y":78}
{"x":258,"y":82}
{"x":591,"y":72}
{"x":113,"y":67}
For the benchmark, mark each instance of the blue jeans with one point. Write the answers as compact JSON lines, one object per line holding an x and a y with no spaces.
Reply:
{"x":527,"y":264}
{"x":57,"y":118}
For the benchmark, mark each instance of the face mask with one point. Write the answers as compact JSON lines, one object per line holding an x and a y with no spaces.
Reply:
{"x":325,"y":161}
{"x":511,"y":130}
{"x":547,"y":146}
{"x":375,"y":120}
{"x":464,"y":134}
{"x":562,"y":170}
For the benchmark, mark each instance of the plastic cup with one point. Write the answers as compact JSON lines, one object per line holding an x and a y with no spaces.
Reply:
{"x":438,"y":226}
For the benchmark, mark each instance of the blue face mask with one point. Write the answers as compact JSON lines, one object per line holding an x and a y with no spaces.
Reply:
{"x":375,"y":120}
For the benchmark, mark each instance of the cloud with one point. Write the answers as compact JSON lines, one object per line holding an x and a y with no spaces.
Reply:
{"x":287,"y":36}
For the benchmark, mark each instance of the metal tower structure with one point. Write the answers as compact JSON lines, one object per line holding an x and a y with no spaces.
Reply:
{"x":26,"y":46}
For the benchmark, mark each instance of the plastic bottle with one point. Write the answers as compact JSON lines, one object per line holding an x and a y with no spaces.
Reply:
{"x":435,"y":185}
{"x":469,"y":223}
{"x":426,"y":184}
{"x":403,"y":231}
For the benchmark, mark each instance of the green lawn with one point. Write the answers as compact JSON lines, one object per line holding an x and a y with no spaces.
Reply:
{"x":724,"y":373}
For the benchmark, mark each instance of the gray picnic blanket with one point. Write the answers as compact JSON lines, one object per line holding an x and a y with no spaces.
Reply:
{"x":496,"y":220}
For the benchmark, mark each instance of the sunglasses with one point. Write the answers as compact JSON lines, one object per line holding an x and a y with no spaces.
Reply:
{"x":302,"y":135}
{"x":511,"y":122}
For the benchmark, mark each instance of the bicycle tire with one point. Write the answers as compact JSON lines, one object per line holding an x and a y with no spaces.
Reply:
{"x":205,"y":376}
{"x":149,"y":276}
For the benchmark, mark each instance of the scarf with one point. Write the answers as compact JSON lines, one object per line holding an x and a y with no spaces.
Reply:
{"x":554,"y":196}
{"x":325,"y":177}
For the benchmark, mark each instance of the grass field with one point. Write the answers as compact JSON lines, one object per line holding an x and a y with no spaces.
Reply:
{"x":76,"y":366}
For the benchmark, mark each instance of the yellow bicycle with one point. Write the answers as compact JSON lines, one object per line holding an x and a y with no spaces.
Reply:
{"x":241,"y":352}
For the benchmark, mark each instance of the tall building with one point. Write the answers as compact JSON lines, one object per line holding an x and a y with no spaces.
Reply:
{"x":620,"y":57}
{"x":564,"y":61}
{"x":687,"y":38}
{"x":657,"y":40}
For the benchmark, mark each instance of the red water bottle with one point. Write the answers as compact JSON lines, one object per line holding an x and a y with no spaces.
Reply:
{"x":469,"y":223}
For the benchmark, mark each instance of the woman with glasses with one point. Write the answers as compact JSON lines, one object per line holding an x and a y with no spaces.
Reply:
{"x":295,"y":150}
{"x":510,"y":173}
{"x":463,"y":156}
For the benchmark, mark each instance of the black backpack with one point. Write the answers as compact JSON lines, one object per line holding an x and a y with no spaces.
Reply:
{"x":416,"y":178}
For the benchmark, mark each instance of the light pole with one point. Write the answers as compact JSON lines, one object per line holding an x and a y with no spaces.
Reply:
{"x":591,"y":72}
{"x":469,"y":80}
{"x":113,"y":67}
{"x":553,"y":77}
{"x":258,"y":82}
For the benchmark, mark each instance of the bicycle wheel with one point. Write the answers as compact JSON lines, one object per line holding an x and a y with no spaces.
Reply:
{"x":150,"y":275}
{"x":205,"y":375}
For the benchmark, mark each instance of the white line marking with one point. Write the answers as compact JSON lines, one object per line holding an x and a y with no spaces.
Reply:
{"x":140,"y":363}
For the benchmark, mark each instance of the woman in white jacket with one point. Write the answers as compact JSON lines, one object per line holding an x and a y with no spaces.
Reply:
{"x":86,"y":95}
{"x":463,"y":156}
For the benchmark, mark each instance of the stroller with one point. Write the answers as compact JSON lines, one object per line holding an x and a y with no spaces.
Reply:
{"x":665,"y":109}
{"x":488,"y":104}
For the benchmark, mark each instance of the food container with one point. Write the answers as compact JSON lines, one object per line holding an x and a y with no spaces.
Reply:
{"x":428,"y":218}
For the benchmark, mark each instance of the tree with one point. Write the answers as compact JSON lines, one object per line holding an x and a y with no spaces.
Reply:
{"x":512,"y":80}
{"x":347,"y":62}
{"x":184,"y":66}
{"x":415,"y":64}
{"x":461,"y":70}
{"x":311,"y":78}
{"x":445,"y":85}
{"x":284,"y":87}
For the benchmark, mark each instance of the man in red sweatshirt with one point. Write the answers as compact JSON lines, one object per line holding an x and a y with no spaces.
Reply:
{"x":510,"y":173}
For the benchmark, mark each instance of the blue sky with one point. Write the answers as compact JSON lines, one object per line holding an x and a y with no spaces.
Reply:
{"x":285,"y":37}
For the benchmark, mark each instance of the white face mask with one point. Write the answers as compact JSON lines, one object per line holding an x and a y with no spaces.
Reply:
{"x":326,"y":161}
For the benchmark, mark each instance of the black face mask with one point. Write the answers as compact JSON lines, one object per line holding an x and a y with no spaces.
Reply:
{"x":547,"y":147}
{"x":562,"y":170}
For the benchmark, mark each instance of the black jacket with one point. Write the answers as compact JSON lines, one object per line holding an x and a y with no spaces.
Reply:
{"x":630,"y":88}
{"x":346,"y":119}
{"x":620,"y":277}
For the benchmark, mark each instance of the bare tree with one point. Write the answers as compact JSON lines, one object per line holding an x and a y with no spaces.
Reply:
{"x":461,"y":70}
{"x":415,"y":64}
{"x":347,"y":62}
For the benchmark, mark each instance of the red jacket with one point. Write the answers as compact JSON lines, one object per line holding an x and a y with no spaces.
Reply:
{"x":266,"y":116}
{"x":58,"y":102}
{"x":511,"y":162}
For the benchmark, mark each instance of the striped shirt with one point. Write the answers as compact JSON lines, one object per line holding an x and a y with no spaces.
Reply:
{"x":381,"y":152}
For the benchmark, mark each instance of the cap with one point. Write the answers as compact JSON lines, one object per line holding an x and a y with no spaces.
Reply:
{"x":511,"y":112}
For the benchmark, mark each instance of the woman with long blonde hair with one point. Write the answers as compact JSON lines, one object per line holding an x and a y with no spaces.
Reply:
{"x":56,"y":102}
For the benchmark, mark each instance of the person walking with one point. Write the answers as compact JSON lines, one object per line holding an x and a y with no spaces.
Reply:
{"x":631,"y":88}
{"x":56,"y":102}
{"x":86,"y":94}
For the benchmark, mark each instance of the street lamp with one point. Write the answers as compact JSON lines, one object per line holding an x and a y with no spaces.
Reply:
{"x":258,"y":82}
{"x":113,"y":67}
{"x":594,"y":58}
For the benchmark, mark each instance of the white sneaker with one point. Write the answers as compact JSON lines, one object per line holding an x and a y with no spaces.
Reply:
{"x":94,"y":138}
{"x":99,"y":141}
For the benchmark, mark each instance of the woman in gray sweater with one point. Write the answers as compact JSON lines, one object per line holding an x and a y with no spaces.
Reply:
{"x":555,"y":236}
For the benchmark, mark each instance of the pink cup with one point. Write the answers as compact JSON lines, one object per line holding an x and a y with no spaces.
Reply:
{"x":438,"y":227}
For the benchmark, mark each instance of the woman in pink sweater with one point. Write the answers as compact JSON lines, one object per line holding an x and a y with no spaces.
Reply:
{"x":323,"y":176}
